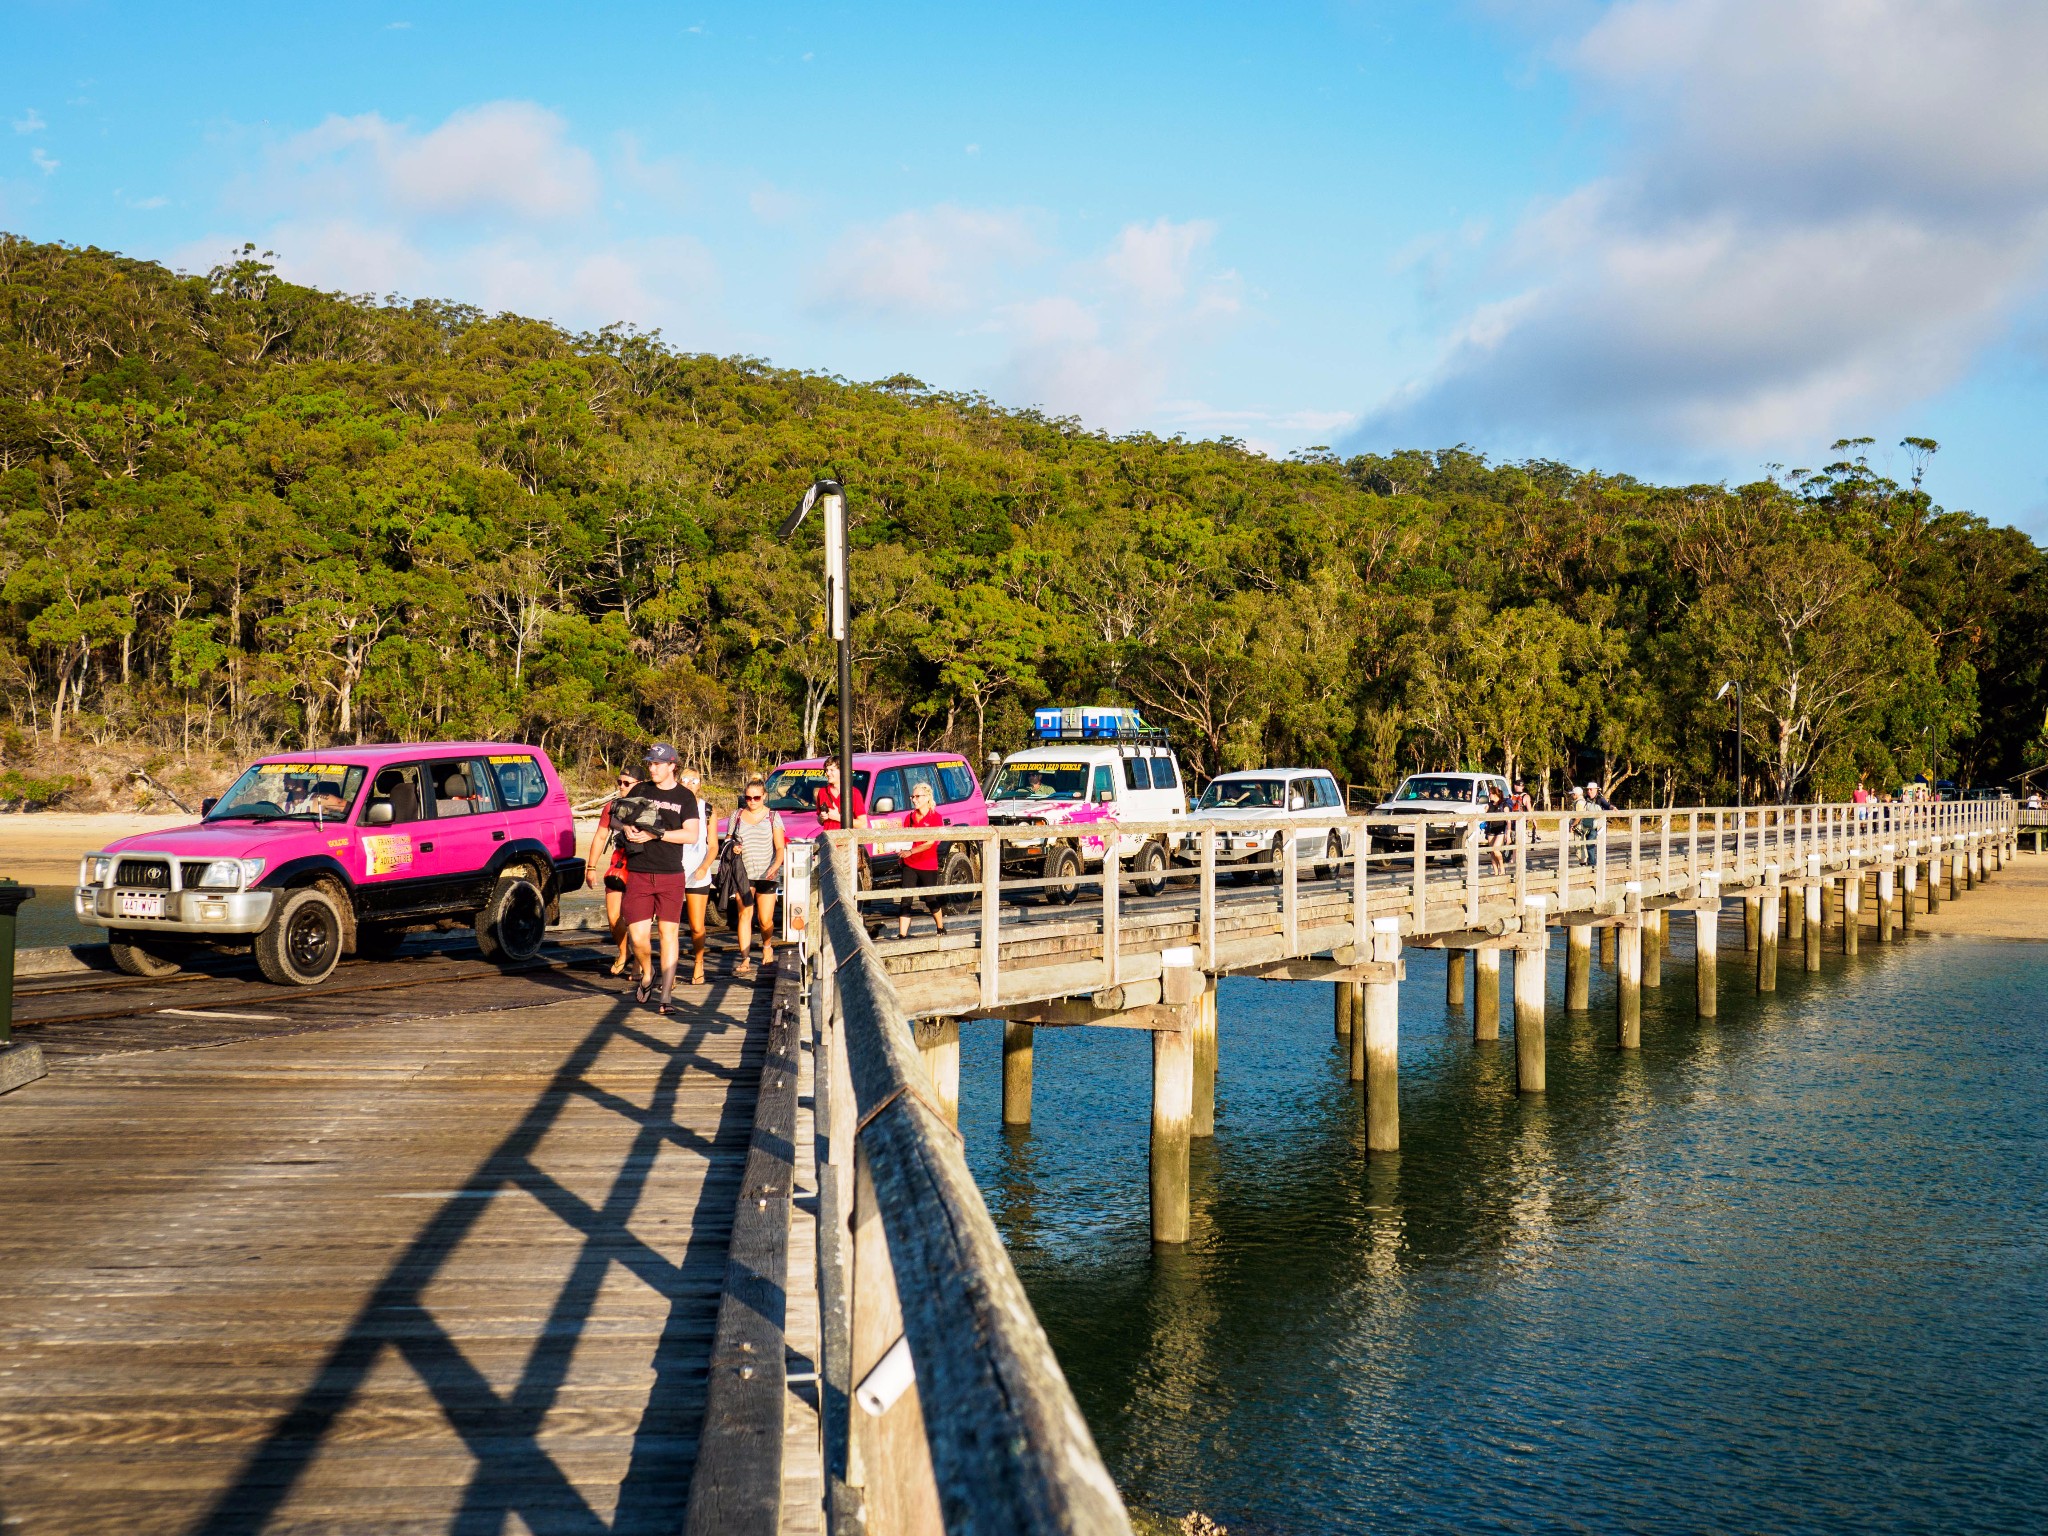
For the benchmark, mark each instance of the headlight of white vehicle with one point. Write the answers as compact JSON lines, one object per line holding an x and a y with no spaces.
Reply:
{"x":95,"y":869}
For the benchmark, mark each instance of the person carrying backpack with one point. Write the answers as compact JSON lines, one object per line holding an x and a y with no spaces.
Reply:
{"x":762,"y":846}
{"x":698,"y":869}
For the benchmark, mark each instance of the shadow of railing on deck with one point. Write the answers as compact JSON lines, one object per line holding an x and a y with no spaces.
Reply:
{"x":514,"y":1473}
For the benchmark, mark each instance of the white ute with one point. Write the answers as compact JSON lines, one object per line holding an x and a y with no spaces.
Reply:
{"x":1308,"y":797}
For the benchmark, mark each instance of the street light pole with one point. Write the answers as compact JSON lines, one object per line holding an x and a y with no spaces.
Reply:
{"x":1738,"y":735}
{"x":838,"y":564}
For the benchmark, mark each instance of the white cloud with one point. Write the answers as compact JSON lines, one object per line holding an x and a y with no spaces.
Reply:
{"x":510,"y":159}
{"x":928,"y":264}
{"x":44,"y":162}
{"x":30,"y":121}
{"x":1829,"y":209}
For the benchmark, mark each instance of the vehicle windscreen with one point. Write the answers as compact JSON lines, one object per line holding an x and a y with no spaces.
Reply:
{"x":275,"y":791}
{"x":1040,"y":781}
{"x":1423,"y":787}
{"x":796,"y":789}
{"x":1252,"y":794}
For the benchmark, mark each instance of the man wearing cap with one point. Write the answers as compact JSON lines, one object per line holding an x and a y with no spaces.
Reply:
{"x":655,"y":881}
{"x":1593,"y":800}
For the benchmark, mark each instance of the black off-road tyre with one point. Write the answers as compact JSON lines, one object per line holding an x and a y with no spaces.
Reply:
{"x":374,"y":941}
{"x":1148,"y":870}
{"x":514,"y":922}
{"x":301,"y":944}
{"x":142,"y":955}
{"x":957,"y":868}
{"x":1333,"y":859}
{"x":1062,"y":863}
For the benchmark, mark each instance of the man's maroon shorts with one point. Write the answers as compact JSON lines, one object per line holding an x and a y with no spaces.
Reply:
{"x":657,"y":896}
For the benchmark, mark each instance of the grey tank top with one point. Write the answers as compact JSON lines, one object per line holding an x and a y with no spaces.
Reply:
{"x":757,"y":844}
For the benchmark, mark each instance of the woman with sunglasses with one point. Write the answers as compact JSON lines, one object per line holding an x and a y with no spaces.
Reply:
{"x":699,"y":869}
{"x":762,"y":846}
{"x":602,"y":836}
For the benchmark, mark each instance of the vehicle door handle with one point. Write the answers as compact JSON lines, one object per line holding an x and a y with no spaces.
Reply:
{"x":497,"y":837}
{"x":426,"y":847}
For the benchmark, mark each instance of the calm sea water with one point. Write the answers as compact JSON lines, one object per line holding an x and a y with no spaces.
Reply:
{"x":1785,"y":1272}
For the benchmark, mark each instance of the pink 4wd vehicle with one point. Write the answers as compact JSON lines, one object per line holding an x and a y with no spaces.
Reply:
{"x":885,"y":780}
{"x":345,"y":850}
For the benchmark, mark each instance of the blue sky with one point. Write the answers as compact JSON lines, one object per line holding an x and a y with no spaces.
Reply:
{"x":1675,"y":238}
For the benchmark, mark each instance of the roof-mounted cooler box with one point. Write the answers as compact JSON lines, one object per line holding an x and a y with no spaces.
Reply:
{"x":1107,"y":722}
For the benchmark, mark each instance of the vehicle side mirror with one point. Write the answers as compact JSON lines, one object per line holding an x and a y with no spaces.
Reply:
{"x":379,"y":814}
{"x":206,"y":806}
{"x":884,"y":806}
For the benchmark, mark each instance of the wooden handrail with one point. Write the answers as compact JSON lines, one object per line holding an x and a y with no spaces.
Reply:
{"x":1003,"y":1446}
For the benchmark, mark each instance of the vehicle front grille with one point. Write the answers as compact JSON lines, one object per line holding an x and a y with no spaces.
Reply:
{"x":144,"y":874}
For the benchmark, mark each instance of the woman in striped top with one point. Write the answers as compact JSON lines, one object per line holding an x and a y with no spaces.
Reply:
{"x":762,"y":845}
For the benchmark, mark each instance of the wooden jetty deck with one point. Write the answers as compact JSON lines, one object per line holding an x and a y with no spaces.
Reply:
{"x":452,"y":1268}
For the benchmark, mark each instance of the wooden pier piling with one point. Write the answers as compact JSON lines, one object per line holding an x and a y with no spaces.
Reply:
{"x":1752,"y":922}
{"x":1340,"y":998}
{"x":1578,"y":967}
{"x":1628,"y":983}
{"x":1811,"y":923}
{"x":1454,"y":978}
{"x":1767,"y":936}
{"x":1382,"y":1019}
{"x":938,"y":1042}
{"x":1706,"y":960}
{"x":1532,"y":963}
{"x":1357,"y":1006}
{"x":1173,"y":1107}
{"x":1016,"y":1073}
{"x":1486,"y":995}
{"x":1653,"y":948}
{"x":1852,"y":909}
{"x":1202,"y":1121}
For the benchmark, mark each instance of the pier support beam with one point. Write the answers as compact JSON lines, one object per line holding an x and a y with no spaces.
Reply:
{"x":1887,"y":894}
{"x":1628,"y":981}
{"x":1706,"y":961}
{"x":1532,"y":962}
{"x":1486,"y":997}
{"x":1382,"y":1031}
{"x":1202,"y":1122}
{"x":1752,"y":921}
{"x":1357,"y":1005}
{"x":1173,"y":1106}
{"x":1578,"y":967}
{"x":1795,"y":912}
{"x":1016,"y":1073}
{"x":1908,"y":873}
{"x":1653,"y":947}
{"x":1607,"y":949}
{"x":1454,"y":978}
{"x":938,"y":1042}
{"x":1812,"y":920}
{"x":1852,"y":909}
{"x":1767,"y":939}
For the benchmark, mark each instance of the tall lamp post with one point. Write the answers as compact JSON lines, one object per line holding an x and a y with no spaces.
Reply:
{"x":838,"y":560}
{"x":1738,"y":734}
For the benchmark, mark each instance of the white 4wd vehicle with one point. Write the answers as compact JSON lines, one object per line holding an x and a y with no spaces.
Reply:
{"x":1308,"y":797}
{"x":1455,"y":803}
{"x":1077,"y":783}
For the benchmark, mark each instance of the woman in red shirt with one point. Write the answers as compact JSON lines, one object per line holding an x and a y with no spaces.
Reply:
{"x":828,"y":801}
{"x":921,"y":864}
{"x":603,"y":841}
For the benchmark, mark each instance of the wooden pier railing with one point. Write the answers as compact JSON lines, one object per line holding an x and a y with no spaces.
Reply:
{"x":1432,"y":876}
{"x":942,"y":1404}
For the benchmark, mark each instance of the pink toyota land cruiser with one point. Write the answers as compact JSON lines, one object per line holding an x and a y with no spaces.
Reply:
{"x":884,"y":781}
{"x":345,"y":850}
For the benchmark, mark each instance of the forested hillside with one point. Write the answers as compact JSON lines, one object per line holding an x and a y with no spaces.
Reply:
{"x":241,"y":513}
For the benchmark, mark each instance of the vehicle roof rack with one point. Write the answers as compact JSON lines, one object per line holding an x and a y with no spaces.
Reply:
{"x":1147,"y":736}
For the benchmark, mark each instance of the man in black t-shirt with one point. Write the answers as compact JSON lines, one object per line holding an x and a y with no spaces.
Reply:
{"x":654,"y":872}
